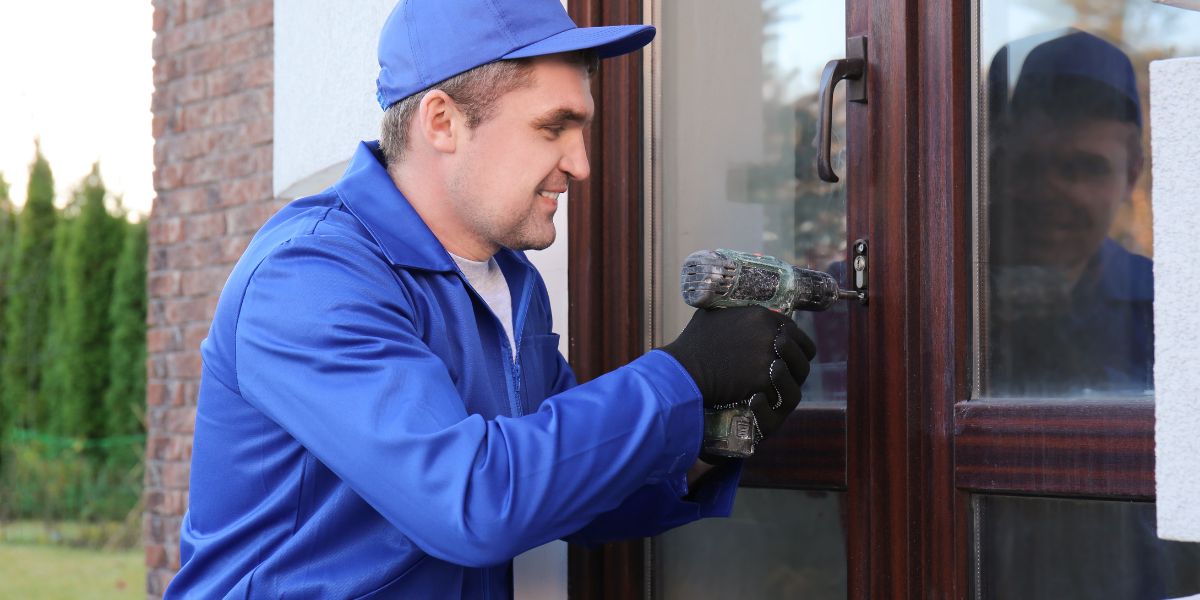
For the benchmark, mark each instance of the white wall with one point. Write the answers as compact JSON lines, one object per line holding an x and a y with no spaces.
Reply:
{"x":325,"y":69}
{"x":1175,"y":131}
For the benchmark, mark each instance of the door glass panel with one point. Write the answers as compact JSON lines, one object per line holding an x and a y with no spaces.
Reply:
{"x":1045,"y":548}
{"x":776,"y":544}
{"x":736,"y":155}
{"x":1065,"y":290}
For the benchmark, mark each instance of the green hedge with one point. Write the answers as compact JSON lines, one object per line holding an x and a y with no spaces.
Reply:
{"x":72,"y":353}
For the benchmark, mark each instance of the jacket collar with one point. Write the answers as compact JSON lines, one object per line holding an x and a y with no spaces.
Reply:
{"x":369,"y":193}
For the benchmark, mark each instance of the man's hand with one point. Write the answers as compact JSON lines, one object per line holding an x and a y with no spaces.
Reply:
{"x":738,"y":353}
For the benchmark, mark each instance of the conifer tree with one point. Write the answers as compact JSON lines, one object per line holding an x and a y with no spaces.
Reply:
{"x":126,"y":396}
{"x":26,"y":318}
{"x":56,"y":365}
{"x":90,"y":261}
{"x":8,"y":232}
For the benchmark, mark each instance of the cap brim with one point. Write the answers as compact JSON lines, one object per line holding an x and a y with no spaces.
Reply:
{"x":608,"y":41}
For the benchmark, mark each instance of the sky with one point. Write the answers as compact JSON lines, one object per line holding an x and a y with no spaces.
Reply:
{"x":78,"y":74}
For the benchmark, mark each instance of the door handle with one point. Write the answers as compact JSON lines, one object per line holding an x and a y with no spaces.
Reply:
{"x":853,"y":69}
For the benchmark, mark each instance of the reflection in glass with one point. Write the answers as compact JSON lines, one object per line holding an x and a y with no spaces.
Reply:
{"x":776,"y":544}
{"x":736,"y":150}
{"x":1067,"y":304}
{"x":1043,"y":548}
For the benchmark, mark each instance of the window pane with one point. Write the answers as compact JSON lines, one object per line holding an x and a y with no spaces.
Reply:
{"x":1066,"y":290}
{"x":1044,"y":548}
{"x":777,"y":544}
{"x":735,"y":152}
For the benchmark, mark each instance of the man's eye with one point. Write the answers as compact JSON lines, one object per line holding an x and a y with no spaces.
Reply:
{"x":553,"y":130}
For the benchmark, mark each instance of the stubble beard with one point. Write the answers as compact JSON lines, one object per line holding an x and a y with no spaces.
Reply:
{"x":529,"y":233}
{"x":493,"y":226}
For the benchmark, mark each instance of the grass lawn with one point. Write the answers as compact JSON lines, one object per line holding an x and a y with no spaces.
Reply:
{"x":54,"y":572}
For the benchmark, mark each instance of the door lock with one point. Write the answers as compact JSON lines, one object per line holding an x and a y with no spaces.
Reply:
{"x":858,"y":263}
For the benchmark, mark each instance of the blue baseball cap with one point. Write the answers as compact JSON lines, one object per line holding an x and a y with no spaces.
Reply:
{"x":1073,"y":54}
{"x":425,"y":42}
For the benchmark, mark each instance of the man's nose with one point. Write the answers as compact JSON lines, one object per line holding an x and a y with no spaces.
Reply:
{"x":574,"y":161}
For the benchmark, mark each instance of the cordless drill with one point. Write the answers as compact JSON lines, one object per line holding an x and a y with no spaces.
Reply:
{"x":727,"y":278}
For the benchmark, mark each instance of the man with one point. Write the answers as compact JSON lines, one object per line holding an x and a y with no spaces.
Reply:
{"x":383,"y":411}
{"x":1070,"y":309}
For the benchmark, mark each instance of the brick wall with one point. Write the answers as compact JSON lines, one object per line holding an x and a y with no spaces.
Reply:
{"x":213,"y":131}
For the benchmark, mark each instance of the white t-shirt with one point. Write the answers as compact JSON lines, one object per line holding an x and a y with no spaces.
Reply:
{"x":488,"y":280}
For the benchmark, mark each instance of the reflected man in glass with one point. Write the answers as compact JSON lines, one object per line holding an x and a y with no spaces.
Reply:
{"x":1069,"y":309}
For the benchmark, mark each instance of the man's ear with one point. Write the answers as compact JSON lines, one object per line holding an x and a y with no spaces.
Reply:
{"x":437,"y":123}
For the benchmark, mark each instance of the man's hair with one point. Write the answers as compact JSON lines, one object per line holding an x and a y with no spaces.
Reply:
{"x":476,"y":93}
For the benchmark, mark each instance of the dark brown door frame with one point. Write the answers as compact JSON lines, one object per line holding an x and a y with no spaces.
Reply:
{"x":880,"y":369}
{"x":605,"y":255}
{"x":940,"y":37}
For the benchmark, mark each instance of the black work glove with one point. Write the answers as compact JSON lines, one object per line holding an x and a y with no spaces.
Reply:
{"x":749,"y":354}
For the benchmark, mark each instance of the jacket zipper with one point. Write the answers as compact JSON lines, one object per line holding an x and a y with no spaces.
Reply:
{"x":518,"y":330}
{"x":511,"y":355}
{"x":514,"y":373}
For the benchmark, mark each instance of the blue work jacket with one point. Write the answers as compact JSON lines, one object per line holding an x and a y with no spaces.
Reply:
{"x":363,"y":430}
{"x":1101,"y":341}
